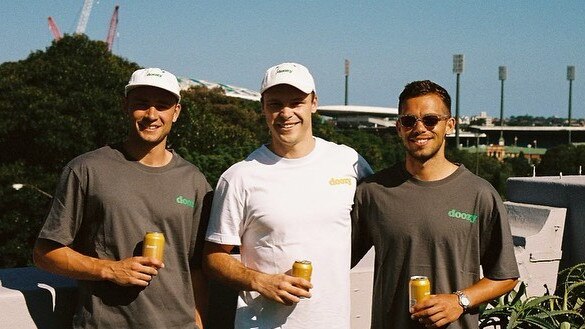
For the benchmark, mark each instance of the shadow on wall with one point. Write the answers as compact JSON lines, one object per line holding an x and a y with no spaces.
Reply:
{"x":31,"y":298}
{"x":49,"y":300}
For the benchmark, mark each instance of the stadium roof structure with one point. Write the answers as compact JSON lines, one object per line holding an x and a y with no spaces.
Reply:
{"x":231,"y":91}
{"x":341,"y":110}
{"x":525,"y":128}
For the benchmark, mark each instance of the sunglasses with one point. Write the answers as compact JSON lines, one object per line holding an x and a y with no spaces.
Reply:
{"x":429,"y":120}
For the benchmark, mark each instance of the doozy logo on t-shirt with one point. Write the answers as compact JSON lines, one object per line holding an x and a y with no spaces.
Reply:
{"x":184,"y":201}
{"x":453,"y":213}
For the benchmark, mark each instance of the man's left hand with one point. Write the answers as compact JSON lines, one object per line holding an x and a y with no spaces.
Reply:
{"x":437,"y":310}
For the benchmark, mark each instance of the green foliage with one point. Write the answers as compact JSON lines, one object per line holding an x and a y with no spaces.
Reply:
{"x":61,"y":102}
{"x":563,"y":158}
{"x":55,"y":105}
{"x":215,"y":131}
{"x":520,"y":166}
{"x":564,"y":309}
{"x":380,"y":148}
{"x":489,"y":168}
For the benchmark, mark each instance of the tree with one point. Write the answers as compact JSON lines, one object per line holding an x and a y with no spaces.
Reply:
{"x":215,"y":131}
{"x":55,"y":105}
{"x":566,"y":159}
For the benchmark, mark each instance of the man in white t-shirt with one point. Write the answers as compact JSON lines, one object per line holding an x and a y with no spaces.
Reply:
{"x":288,"y":200}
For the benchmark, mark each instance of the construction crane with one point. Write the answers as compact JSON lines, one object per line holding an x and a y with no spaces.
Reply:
{"x":54,"y":29}
{"x":84,"y":17}
{"x":82,"y":24}
{"x":112,"y":29}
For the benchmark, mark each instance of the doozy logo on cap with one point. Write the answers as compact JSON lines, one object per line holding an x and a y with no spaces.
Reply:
{"x":154,"y":77}
{"x":292,"y":74}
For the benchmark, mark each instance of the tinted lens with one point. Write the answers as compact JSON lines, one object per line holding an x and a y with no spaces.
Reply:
{"x":430,"y":120}
{"x":408,"y":121}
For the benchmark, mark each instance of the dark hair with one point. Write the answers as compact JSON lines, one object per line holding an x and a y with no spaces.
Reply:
{"x":421,"y":88}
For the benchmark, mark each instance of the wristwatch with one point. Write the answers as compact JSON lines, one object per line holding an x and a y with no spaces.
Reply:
{"x":463,"y":300}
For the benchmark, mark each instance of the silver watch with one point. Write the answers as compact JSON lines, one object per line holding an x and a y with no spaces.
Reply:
{"x":463,"y":300}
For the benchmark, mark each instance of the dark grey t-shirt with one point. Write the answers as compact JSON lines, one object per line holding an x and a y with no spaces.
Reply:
{"x":441,"y":229}
{"x":103,"y":206}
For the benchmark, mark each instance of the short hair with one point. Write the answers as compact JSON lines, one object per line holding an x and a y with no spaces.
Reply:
{"x":421,"y":88}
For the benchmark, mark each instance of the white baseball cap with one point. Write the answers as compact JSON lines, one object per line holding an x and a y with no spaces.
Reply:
{"x":292,"y":74}
{"x":154,"y":77}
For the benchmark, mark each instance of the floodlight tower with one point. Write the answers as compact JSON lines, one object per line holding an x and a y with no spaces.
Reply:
{"x":503,"y":74}
{"x":457,"y":69}
{"x":346,"y":78}
{"x":570,"y":77}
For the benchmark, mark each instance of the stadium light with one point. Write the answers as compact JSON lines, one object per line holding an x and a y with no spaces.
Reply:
{"x":457,"y":69}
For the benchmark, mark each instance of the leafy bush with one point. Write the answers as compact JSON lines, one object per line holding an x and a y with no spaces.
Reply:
{"x":564,"y":309}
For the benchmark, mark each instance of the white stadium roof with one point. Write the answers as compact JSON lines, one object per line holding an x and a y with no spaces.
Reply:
{"x":356,"y":109}
{"x":232,"y":91}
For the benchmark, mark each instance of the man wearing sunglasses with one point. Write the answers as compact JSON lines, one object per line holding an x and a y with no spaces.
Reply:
{"x":431,"y":217}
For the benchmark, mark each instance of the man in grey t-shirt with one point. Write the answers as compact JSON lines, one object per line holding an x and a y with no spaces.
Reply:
{"x":431,"y":217}
{"x":106,"y":201}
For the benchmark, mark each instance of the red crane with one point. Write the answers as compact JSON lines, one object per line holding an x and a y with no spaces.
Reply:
{"x":83,"y":23}
{"x":112,"y":29}
{"x":54,"y":29}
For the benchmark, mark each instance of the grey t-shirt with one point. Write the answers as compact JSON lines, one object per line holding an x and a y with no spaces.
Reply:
{"x":441,"y":229}
{"x":103,"y":206}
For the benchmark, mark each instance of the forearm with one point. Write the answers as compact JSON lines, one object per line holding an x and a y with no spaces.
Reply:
{"x":487,"y":289}
{"x":280,"y":287}
{"x":68,"y":262}
{"x":221,"y":266}
{"x":201,"y":293}
{"x":442,"y":309}
{"x":65,"y":261}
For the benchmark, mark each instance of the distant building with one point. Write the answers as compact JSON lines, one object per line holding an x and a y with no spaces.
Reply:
{"x":501,"y":152}
{"x":535,"y":137}
{"x":354,"y":116}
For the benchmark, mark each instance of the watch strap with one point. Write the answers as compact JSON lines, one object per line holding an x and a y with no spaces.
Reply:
{"x":463,"y":300}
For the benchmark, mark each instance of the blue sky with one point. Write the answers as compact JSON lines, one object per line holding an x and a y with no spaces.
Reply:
{"x":389,"y":44}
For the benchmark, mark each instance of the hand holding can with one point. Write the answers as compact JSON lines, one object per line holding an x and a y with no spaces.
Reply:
{"x":154,"y":245}
{"x":302,"y":269}
{"x":419,"y":288}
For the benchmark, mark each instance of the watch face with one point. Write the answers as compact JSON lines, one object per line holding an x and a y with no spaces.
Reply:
{"x":464,"y":300}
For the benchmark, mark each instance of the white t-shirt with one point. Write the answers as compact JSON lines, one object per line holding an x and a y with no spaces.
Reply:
{"x":279,"y":210}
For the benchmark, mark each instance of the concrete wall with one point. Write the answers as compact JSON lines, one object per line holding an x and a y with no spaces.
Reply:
{"x":558,"y":191}
{"x":537,"y":232}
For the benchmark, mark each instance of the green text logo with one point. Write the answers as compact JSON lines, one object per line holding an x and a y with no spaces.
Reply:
{"x":459,"y":214}
{"x":184,"y":201}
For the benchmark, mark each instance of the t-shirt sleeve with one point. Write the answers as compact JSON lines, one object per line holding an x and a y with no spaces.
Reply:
{"x":361,"y":240}
{"x":362,"y":167}
{"x":202,"y":217}
{"x":497,"y":249}
{"x":66,"y":213}
{"x":227,"y":213}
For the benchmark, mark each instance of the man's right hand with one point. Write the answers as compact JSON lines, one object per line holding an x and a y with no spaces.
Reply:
{"x":133,"y":271}
{"x":63,"y":260}
{"x":282,"y":288}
